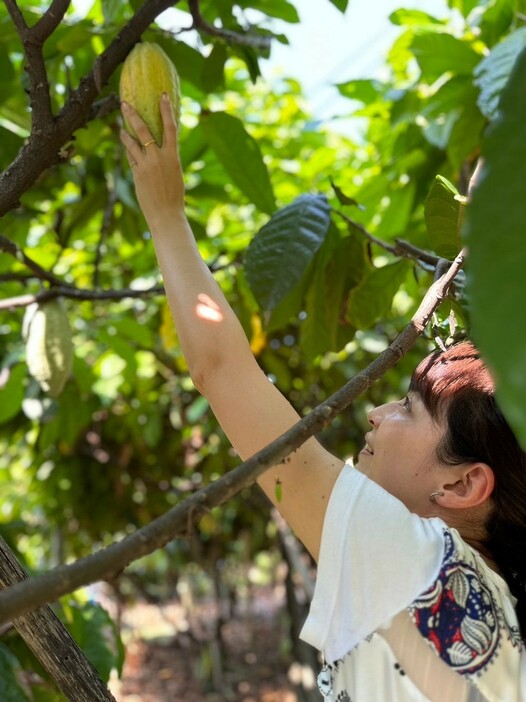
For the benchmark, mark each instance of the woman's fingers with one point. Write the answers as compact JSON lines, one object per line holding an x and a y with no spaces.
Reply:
{"x":168,"y":118}
{"x":133,"y":150}
{"x":140,"y":127}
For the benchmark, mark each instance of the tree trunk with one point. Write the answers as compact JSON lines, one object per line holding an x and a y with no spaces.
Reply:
{"x":52,"y":643}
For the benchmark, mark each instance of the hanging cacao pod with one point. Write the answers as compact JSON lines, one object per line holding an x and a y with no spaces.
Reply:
{"x":146,"y":73}
{"x":49,"y":345}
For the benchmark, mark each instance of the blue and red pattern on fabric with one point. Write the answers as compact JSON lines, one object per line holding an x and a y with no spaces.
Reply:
{"x":458,"y":615}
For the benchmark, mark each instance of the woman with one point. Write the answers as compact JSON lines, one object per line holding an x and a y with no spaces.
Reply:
{"x":421,"y":587}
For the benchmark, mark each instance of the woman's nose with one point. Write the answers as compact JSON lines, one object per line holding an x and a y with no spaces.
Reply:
{"x":377,"y":414}
{"x":374,"y":416}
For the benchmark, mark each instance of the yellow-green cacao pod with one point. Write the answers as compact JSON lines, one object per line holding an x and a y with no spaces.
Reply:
{"x":49,"y":345}
{"x":146,"y":73}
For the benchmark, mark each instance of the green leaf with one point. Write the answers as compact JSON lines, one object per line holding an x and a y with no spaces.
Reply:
{"x":438,"y":53}
{"x":241,"y":158}
{"x":11,"y":391}
{"x":10,"y":690}
{"x":189,"y":62}
{"x":496,"y":20}
{"x":397,"y":211}
{"x":404,"y":17}
{"x":344,"y":199}
{"x":7,"y":72}
{"x":367,"y":91}
{"x":442,"y":109}
{"x":339,"y":266}
{"x":373,"y":297}
{"x":318,"y":331}
{"x":466,"y":134}
{"x":341,"y":5}
{"x":281,"y":251}
{"x":443,"y":212}
{"x":279,"y":9}
{"x":465,"y":6}
{"x":497,"y":256}
{"x":95,"y":632}
{"x":214,"y":69}
{"x":494,"y":70}
{"x":193,"y":147}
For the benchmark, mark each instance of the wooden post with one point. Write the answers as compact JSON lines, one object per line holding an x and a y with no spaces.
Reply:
{"x":52,"y":644}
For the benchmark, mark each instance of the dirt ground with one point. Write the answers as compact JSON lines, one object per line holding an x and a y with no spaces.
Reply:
{"x":169,"y":658}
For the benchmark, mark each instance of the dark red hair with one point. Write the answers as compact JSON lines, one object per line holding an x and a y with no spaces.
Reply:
{"x":457,"y":388}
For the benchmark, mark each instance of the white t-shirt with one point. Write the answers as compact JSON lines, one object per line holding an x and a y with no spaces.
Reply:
{"x":405,"y":611}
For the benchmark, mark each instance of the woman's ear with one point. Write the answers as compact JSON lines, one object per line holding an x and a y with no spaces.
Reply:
{"x":474,"y":487}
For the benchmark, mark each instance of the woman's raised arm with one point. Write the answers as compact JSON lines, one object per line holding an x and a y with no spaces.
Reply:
{"x":251,"y":411}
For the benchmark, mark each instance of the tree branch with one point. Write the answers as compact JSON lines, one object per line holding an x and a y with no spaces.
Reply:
{"x":33,"y":41}
{"x":30,"y":594}
{"x":255,"y":41}
{"x":77,"y":294}
{"x":400,"y":248}
{"x":11,"y":248}
{"x":43,"y":150}
{"x":50,"y":20}
{"x":18,"y":18}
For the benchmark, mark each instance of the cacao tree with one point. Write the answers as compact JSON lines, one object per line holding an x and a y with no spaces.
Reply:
{"x":324,"y":248}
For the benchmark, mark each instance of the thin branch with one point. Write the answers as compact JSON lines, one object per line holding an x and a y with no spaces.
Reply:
{"x":255,"y":41}
{"x":40,"y":100}
{"x":17,"y":17}
{"x":404,"y":248}
{"x":107,"y":219}
{"x":16,"y":277}
{"x":107,"y":563}
{"x":11,"y":248}
{"x":50,"y":20}
{"x":103,"y":107}
{"x":400,"y":248}
{"x":77,"y":294}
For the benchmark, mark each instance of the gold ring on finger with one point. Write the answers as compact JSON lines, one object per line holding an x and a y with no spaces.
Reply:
{"x":152,"y":141}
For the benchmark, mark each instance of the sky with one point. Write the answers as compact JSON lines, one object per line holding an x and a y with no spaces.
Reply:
{"x":329,"y":47}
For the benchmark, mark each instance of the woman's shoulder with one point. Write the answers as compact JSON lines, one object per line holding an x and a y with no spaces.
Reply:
{"x":468,"y":611}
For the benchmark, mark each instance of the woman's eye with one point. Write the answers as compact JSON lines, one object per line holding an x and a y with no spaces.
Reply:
{"x":407,"y":403}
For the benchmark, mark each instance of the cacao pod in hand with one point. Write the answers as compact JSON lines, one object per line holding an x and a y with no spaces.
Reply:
{"x":49,"y":346}
{"x":146,"y":73}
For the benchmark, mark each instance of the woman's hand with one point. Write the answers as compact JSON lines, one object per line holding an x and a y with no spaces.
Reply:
{"x":156,"y":170}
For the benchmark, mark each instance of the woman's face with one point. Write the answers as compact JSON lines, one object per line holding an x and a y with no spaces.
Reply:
{"x":400,"y":453}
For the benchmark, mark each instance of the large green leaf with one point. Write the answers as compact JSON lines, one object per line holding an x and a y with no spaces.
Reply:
{"x":494,"y":70}
{"x":443,"y":109}
{"x":439,"y":53}
{"x":281,"y":251}
{"x":496,"y":265}
{"x":373,"y":297}
{"x":12,"y":392}
{"x":444,"y":209}
{"x":339,"y":266}
{"x":241,"y":158}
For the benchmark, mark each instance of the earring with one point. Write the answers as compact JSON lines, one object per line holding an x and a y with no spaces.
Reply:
{"x":433,"y":496}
